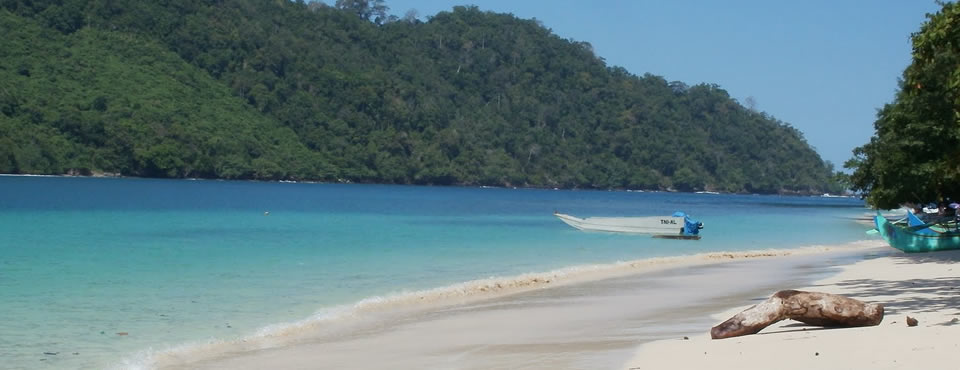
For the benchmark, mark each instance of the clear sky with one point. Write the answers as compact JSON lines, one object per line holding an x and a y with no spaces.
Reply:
{"x":822,"y":66}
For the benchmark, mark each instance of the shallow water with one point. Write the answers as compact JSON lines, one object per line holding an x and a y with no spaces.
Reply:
{"x":111,"y":269}
{"x":587,"y":325}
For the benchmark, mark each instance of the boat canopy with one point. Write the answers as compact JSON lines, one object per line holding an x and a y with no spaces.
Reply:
{"x":690,"y":226}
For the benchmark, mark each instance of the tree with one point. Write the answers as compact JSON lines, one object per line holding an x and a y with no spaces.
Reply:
{"x":687,"y":180}
{"x":914,"y":156}
{"x":411,"y":16}
{"x":751,"y":103}
{"x":286,"y":89}
{"x":372,"y":10}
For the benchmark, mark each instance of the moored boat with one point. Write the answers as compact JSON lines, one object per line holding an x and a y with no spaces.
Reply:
{"x":914,"y":239}
{"x":678,"y":224}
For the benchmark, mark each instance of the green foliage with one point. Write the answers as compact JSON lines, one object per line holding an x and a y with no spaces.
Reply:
{"x":373,"y":10}
{"x":253,"y":89}
{"x":912,"y":157}
{"x":102,"y":101}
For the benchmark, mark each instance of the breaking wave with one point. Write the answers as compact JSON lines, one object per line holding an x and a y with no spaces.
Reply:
{"x":277,"y":335}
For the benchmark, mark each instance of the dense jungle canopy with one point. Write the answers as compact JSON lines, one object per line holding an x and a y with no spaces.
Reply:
{"x":914,"y":156}
{"x":251,"y":89}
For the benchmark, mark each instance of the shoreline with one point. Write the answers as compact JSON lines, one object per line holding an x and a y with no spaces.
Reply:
{"x":340,"y":321}
{"x":106,"y":175}
{"x":923,"y":286}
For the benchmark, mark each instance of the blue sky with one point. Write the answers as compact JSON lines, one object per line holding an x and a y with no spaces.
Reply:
{"x":822,"y":66}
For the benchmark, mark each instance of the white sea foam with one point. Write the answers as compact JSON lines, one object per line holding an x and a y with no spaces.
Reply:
{"x":27,"y":175}
{"x":280,"y":334}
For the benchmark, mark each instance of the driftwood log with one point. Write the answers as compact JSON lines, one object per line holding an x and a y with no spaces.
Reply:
{"x":813,"y":308}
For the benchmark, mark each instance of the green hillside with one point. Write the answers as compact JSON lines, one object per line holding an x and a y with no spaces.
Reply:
{"x":286,"y":90}
{"x":116,"y":102}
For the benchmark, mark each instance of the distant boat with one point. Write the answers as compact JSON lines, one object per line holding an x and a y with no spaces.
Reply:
{"x":708,"y":192}
{"x":913,"y":239}
{"x":678,"y":226}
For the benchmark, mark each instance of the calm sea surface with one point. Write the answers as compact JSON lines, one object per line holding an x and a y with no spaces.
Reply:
{"x":98,"y":273}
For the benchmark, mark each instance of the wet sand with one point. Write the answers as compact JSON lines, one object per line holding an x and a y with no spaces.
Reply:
{"x":595,"y":324}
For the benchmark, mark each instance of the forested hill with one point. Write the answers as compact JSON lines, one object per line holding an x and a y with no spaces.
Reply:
{"x":252,"y":89}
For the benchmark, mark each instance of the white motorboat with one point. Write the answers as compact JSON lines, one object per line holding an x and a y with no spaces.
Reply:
{"x":678,"y":224}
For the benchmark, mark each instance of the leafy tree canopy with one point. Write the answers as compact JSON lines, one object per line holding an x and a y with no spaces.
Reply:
{"x":288,"y":90}
{"x":914,"y":156}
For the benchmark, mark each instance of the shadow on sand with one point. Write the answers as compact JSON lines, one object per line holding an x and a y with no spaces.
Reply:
{"x":938,"y":293}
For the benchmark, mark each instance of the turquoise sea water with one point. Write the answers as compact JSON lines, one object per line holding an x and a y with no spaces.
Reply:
{"x":103,"y":271}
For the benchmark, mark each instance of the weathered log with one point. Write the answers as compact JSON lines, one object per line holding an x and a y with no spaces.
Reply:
{"x":813,"y":308}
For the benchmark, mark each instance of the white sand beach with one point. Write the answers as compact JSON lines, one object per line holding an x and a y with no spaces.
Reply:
{"x":591,"y":320}
{"x":922,"y":286}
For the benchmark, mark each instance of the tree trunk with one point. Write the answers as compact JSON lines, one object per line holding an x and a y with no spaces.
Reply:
{"x":821,"y":309}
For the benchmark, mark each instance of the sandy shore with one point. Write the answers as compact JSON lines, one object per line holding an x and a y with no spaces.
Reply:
{"x":592,"y":320}
{"x":922,"y":286}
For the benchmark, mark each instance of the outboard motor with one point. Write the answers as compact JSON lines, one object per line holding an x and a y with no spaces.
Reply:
{"x":690,"y":226}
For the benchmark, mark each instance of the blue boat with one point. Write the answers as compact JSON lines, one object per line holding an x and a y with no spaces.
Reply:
{"x":918,"y":225}
{"x":915,"y":239}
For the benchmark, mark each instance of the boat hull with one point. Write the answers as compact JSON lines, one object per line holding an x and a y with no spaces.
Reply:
{"x":655,"y":225}
{"x":915,"y":241}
